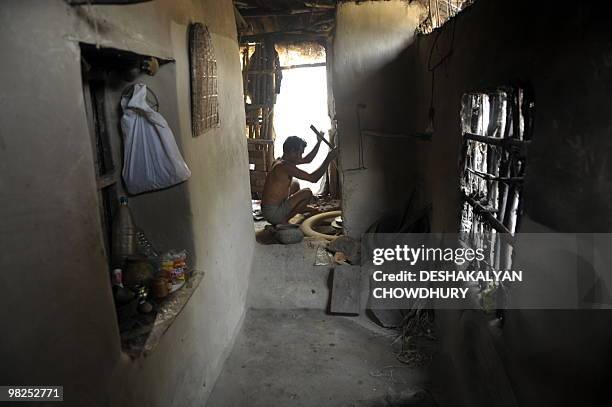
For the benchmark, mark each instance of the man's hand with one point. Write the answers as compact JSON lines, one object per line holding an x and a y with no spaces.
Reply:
{"x":332,"y":154}
{"x":293,"y":171}
{"x":310,"y":156}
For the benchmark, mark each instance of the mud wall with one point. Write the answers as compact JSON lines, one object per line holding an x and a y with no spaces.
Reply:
{"x":57,"y":302}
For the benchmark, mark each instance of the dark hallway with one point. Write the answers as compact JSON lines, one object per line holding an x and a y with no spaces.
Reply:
{"x":305,"y":203}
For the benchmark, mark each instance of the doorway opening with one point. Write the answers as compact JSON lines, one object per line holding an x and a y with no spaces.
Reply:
{"x":286,"y":94}
{"x":302,"y":102}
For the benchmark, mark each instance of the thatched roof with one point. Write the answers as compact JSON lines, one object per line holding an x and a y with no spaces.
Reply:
{"x":286,"y":19}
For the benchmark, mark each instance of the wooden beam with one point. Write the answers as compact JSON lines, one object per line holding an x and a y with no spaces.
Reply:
{"x":320,"y":6}
{"x":242,"y":24}
{"x":255,"y":107}
{"x":290,"y":13}
{"x":267,"y":72}
{"x":488,"y":216}
{"x":502,"y":142}
{"x":294,"y":35}
{"x":303,"y":65}
{"x":419,"y":136}
{"x":490,"y":177}
{"x":260,"y":141}
{"x":96,"y":2}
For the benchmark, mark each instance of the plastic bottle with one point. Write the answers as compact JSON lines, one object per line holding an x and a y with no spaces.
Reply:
{"x":124,"y":234}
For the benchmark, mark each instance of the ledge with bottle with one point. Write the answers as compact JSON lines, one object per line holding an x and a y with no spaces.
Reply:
{"x":150,"y":289}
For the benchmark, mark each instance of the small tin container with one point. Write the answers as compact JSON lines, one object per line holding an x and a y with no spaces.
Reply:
{"x":160,"y":287}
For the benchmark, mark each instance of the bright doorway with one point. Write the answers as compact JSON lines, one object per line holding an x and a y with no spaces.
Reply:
{"x":302,"y":102}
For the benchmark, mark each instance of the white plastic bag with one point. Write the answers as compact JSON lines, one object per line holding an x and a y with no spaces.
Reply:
{"x":151,"y":158}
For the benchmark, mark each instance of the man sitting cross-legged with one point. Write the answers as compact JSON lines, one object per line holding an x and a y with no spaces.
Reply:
{"x":282,"y":197}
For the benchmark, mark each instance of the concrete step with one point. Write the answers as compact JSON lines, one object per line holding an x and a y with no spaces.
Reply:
{"x":285,"y":277}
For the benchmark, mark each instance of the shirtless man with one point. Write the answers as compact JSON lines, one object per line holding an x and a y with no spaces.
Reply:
{"x":282,"y":197}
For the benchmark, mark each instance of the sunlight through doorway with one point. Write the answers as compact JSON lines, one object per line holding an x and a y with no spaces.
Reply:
{"x":302,"y":101}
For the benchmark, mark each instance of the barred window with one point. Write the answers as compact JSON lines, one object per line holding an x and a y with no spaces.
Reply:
{"x":496,"y":128}
{"x":204,"y":97}
{"x":496,"y":131}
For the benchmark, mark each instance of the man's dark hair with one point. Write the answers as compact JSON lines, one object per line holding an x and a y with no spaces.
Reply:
{"x":294,"y":144}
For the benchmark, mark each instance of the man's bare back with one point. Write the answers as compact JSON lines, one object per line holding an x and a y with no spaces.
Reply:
{"x":277,"y":184}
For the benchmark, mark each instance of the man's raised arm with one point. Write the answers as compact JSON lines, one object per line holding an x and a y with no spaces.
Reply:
{"x":293,"y":171}
{"x":310,"y":156}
